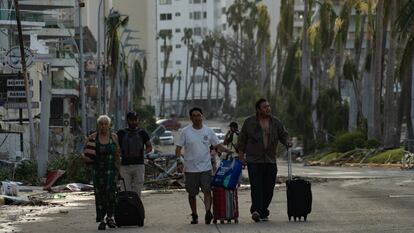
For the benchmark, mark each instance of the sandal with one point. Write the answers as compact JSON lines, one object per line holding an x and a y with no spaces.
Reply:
{"x":110,"y":222}
{"x":102,"y":226}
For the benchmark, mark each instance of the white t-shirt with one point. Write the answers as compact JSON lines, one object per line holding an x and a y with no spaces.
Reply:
{"x":196,"y":143}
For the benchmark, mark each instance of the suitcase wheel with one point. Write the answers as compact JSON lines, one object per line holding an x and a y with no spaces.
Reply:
{"x":215,"y":221}
{"x":290,"y":217}
{"x":294,"y":218}
{"x":221,"y":221}
{"x":228,"y":220}
{"x":236,"y":221}
{"x":305,"y":217}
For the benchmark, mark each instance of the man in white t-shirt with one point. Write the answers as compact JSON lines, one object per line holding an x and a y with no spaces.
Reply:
{"x":196,"y":140}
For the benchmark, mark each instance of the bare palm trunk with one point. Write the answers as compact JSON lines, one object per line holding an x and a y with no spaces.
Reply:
{"x":111,"y":97}
{"x":178,"y":94}
{"x":193,"y":87}
{"x":315,"y":96}
{"x":338,"y":69}
{"x":209,"y":88}
{"x":184,"y":105}
{"x":263,"y":74}
{"x":411,"y":132}
{"x":357,"y":58}
{"x":164,"y":77}
{"x":391,"y":137}
{"x":171,"y":94}
{"x":202,"y":85}
{"x":374,"y":120}
{"x":305,"y":76}
{"x":162,"y":97}
{"x":217,"y":95}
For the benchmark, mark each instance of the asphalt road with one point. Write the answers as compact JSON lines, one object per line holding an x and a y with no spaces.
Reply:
{"x":345,"y":199}
{"x":340,"y":204}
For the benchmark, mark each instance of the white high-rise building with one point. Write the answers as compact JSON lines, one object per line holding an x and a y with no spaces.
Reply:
{"x":142,"y":38}
{"x":202,"y":17}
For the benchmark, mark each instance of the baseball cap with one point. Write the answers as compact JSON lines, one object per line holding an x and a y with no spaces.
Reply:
{"x":131,"y":114}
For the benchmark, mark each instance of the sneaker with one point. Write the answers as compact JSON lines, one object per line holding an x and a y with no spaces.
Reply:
{"x":110,"y":222}
{"x":264,"y":219}
{"x":102,"y":226}
{"x":256,"y":216}
{"x":194,"y":218}
{"x":208,"y":217}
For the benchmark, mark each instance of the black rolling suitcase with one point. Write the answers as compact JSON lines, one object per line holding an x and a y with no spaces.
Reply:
{"x":130,"y":210}
{"x":299,"y":195}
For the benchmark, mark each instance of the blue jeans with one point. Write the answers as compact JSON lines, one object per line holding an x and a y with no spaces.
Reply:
{"x":262,"y":178}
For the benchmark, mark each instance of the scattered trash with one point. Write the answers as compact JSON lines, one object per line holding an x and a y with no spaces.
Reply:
{"x":10,"y":200}
{"x":59,"y":196}
{"x":79,"y":187}
{"x":25,"y":190}
{"x":8,"y":188}
{"x":52,"y":177}
{"x":72,"y":187}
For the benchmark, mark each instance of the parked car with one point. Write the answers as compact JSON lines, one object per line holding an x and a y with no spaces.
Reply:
{"x":169,"y":124}
{"x":167,"y":138}
{"x":219,"y":133}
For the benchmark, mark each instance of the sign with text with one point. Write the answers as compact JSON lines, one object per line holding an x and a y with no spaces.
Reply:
{"x":17,"y":105}
{"x":18,"y":82}
{"x":18,"y":94}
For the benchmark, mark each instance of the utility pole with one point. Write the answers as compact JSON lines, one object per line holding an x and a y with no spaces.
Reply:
{"x":26,"y":82}
{"x":81,"y":69}
{"x":42,"y":151}
{"x":104,"y":66}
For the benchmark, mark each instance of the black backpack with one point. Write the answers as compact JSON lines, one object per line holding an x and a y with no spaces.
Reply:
{"x":132,"y":146}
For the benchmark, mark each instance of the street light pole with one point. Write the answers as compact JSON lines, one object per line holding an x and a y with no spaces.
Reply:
{"x":81,"y":69}
{"x":99,"y":66}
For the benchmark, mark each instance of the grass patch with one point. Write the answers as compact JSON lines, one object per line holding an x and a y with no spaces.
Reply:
{"x":389,"y":156}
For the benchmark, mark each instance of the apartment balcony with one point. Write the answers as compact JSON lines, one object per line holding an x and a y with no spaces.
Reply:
{"x":63,"y":62}
{"x":30,"y":19}
{"x":46,"y":4}
{"x":49,"y":33}
{"x":64,"y":88}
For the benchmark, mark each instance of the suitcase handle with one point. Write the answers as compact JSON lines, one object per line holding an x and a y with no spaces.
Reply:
{"x":123,"y":181}
{"x":289,"y":155}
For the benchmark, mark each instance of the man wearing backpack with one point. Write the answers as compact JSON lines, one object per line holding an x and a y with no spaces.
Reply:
{"x":133,"y":141}
{"x":232,"y":136}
